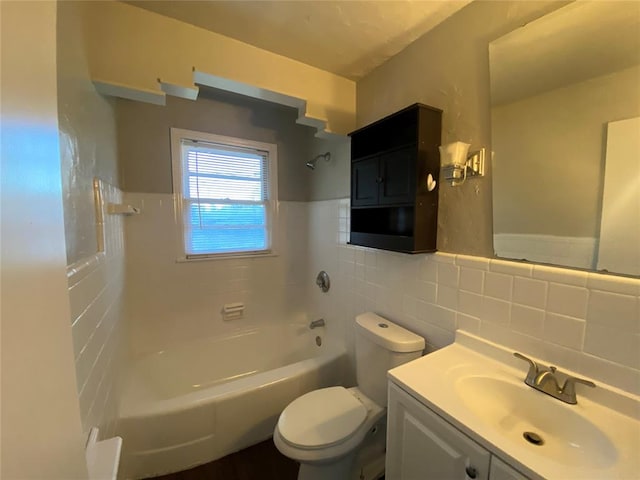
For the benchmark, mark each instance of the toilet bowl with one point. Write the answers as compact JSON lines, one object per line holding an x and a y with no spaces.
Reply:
{"x":327,"y":430}
{"x":322,"y":430}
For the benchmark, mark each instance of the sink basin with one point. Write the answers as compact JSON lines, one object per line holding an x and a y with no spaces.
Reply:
{"x":479,"y":388}
{"x":518,"y":411}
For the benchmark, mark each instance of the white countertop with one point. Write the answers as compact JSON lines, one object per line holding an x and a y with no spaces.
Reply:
{"x":599,"y":438}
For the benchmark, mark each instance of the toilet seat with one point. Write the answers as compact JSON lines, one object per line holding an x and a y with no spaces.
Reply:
{"x":321,"y":418}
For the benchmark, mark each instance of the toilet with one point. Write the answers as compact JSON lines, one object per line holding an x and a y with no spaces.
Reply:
{"x":338,"y":433}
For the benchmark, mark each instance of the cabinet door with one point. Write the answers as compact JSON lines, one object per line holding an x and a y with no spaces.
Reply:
{"x":397,"y":173}
{"x":423,"y":446}
{"x":364,"y":182}
{"x":502,"y":471}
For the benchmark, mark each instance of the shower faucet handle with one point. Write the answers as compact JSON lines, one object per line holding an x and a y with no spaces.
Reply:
{"x":323,"y":281}
{"x":317,"y":323}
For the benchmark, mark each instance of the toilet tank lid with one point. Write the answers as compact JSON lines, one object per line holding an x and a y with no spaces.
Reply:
{"x":387,"y":334}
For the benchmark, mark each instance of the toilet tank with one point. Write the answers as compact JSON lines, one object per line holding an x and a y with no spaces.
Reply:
{"x":380,"y":346}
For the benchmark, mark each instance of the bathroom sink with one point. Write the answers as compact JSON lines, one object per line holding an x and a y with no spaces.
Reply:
{"x":478,"y":387}
{"x":551,"y":428}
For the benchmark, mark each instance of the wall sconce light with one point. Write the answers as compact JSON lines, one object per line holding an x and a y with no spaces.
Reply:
{"x":458,"y":164}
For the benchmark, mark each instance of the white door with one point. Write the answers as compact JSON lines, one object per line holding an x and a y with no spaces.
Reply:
{"x":619,"y":248}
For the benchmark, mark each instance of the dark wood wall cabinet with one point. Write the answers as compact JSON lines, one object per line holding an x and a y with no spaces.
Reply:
{"x":393,"y":206}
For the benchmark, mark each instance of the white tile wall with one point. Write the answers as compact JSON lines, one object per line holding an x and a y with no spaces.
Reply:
{"x":498,"y":285}
{"x":575,"y":251}
{"x":563,"y":330}
{"x":495,"y":311}
{"x":169,"y":302}
{"x":567,"y":300}
{"x":527,"y":291}
{"x":527,"y":320}
{"x":586,"y":322}
{"x":95,"y":295}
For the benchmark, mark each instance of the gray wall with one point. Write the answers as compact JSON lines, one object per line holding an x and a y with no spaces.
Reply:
{"x":448,"y":68}
{"x":331,"y":180}
{"x":549,"y":155}
{"x":144,"y":138}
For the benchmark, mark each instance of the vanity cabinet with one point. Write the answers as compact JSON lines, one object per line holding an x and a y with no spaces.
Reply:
{"x":423,"y":446}
{"x":501,"y":471}
{"x":393,"y":205}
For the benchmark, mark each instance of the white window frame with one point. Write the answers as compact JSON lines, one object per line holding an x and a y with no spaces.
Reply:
{"x":177,"y":135}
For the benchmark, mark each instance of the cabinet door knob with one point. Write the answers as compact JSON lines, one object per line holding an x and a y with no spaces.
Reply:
{"x":471,"y":472}
{"x":431,"y":183}
{"x":379,"y":180}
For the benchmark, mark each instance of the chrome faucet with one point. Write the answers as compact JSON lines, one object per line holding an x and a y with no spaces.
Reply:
{"x":544,"y":379}
{"x":317,"y":323}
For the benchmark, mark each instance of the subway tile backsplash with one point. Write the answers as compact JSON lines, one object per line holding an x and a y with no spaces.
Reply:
{"x":95,"y":295}
{"x":498,"y":285}
{"x":613,"y":310}
{"x":530,"y":292}
{"x":567,"y":300}
{"x":169,"y":302}
{"x":585,"y":322}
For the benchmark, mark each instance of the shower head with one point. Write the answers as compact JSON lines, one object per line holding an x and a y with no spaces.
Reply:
{"x":312,"y":163}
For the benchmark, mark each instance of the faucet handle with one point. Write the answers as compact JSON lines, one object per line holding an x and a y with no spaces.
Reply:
{"x":533,"y":368}
{"x":317,"y":323}
{"x":568,"y":389}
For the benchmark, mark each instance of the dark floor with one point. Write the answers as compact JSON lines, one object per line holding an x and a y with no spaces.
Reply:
{"x":260,"y":462}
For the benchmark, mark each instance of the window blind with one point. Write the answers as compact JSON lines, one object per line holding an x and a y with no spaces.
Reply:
{"x":225,"y":199}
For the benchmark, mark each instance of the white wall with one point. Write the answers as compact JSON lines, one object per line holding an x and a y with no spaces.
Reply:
{"x":96,"y":287}
{"x":577,"y":252}
{"x":169,"y":302}
{"x":131,"y":48}
{"x":95,"y":279}
{"x":328,"y":228}
{"x":86,"y":121}
{"x":41,"y":432}
{"x":620,"y":228}
{"x":586,"y":322}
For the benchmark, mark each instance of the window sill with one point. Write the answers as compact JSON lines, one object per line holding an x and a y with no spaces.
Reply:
{"x":243,"y":256}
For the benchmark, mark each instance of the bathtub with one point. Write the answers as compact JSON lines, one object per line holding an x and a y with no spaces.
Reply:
{"x":205,"y":399}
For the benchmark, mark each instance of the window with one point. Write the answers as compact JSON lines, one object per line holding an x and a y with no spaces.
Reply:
{"x":226,"y":191}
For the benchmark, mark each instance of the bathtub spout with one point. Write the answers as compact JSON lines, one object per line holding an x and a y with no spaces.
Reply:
{"x":317,"y":323}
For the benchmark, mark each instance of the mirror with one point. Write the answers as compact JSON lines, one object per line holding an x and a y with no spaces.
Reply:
{"x":565,"y":93}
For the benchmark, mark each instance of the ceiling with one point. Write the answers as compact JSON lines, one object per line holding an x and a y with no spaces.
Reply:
{"x":348,"y":38}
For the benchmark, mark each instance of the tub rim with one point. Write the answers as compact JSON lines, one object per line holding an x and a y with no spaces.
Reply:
{"x":131,"y":408}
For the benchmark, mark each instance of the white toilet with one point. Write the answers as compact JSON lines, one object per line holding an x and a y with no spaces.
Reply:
{"x":327,"y":429}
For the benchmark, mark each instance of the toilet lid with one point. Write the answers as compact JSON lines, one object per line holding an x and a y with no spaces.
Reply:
{"x":321,"y":418}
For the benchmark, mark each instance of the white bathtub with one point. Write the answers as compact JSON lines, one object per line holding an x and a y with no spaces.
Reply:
{"x":203,"y":400}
